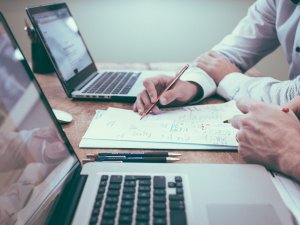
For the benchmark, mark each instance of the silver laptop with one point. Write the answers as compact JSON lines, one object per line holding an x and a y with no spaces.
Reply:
{"x":43,"y":182}
{"x":73,"y":63}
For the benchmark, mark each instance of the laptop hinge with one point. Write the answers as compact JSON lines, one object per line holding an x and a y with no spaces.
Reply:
{"x":68,"y":201}
{"x":87,"y":80}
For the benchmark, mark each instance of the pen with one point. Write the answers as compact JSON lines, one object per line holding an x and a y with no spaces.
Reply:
{"x":227,"y":121}
{"x":132,"y":159}
{"x":132,"y":154}
{"x":178,"y":75}
{"x":284,"y":109}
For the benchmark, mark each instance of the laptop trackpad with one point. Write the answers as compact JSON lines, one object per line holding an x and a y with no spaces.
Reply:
{"x":242,"y":214}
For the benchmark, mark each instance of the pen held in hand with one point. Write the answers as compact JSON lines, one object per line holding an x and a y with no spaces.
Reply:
{"x":178,"y":75}
{"x":227,"y":121}
{"x":284,"y":109}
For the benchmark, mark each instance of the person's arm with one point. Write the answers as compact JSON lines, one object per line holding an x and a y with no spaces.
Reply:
{"x":193,"y":86}
{"x":264,"y":89}
{"x":269,"y":136}
{"x":253,"y":38}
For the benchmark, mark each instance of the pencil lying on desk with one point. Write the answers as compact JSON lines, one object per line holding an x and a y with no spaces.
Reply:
{"x":178,"y":75}
{"x":132,"y":159}
{"x":132,"y":154}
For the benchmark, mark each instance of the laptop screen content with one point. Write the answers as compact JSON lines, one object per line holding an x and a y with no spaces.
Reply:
{"x":34,"y":158}
{"x":63,"y":41}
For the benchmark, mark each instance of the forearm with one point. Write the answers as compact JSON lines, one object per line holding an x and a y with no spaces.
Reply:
{"x":264,"y":89}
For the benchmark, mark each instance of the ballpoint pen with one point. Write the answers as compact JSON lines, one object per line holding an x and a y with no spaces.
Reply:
{"x":132,"y":159}
{"x":284,"y":109}
{"x":132,"y":154}
{"x":178,"y":75}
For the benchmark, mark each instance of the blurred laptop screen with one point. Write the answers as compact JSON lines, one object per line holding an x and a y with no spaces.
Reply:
{"x":34,"y":158}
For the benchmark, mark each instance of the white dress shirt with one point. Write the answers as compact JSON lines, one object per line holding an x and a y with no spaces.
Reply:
{"x":268,"y":24}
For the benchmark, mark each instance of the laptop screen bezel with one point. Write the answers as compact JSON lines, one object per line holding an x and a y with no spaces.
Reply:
{"x":75,"y":169}
{"x":83,"y":75}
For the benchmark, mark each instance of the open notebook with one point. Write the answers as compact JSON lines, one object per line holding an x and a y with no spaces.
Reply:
{"x":190,"y":127}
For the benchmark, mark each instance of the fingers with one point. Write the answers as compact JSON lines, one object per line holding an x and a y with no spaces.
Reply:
{"x":294,"y":105}
{"x":245,"y":104}
{"x":156,"y":84}
{"x":143,"y":102}
{"x":236,"y":121}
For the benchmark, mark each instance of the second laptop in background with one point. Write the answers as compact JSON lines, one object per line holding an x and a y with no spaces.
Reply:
{"x":73,"y":62}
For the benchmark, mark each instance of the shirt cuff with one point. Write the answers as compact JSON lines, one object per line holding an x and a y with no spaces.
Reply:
{"x":200,"y":77}
{"x":230,"y":85}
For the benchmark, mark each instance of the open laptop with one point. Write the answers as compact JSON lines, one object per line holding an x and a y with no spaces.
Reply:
{"x":43,"y":182}
{"x":73,"y":63}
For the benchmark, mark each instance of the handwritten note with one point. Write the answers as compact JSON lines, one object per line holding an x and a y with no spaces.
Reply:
{"x":192,"y":125}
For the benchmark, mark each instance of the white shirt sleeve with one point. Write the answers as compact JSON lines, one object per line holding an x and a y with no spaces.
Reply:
{"x":266,"y":89}
{"x":200,"y":77}
{"x":253,"y":38}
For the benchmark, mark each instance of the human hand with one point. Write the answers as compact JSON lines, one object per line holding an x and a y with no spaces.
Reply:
{"x":181,"y":93}
{"x":45,"y":145}
{"x":268,"y":136}
{"x":294,"y":105}
{"x":215,"y":65}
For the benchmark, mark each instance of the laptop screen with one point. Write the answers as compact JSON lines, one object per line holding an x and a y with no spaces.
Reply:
{"x":64,"y":42}
{"x":34,"y":158}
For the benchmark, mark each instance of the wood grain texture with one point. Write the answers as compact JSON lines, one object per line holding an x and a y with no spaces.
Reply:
{"x":83,"y":112}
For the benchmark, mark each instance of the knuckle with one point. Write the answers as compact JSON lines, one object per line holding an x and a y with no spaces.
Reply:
{"x":244,"y":121}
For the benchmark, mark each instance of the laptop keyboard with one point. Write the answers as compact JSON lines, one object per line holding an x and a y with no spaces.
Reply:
{"x":113,"y":83}
{"x":139,"y":200}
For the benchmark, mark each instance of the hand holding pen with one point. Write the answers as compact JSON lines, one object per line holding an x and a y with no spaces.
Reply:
{"x":179,"y":93}
{"x":176,"y":78}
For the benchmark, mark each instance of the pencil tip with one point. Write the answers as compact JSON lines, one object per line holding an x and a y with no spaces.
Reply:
{"x":86,"y":160}
{"x":90,"y":155}
{"x":172,"y":159}
{"x":174,"y":154}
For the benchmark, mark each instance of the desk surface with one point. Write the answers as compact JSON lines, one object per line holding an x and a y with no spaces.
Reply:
{"x":83,"y":112}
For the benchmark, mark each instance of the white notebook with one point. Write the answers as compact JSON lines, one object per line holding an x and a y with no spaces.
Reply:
{"x":190,"y":127}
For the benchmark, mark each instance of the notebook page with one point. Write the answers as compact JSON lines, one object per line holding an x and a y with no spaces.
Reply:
{"x":192,"y":125}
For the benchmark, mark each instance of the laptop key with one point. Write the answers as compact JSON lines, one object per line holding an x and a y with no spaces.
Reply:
{"x":178,"y":217}
{"x":108,"y":222}
{"x":160,"y":221}
{"x":126,"y":210}
{"x":142,"y":223}
{"x":116,"y":179}
{"x":109,"y":214}
{"x":142,"y":217}
{"x":159,"y":213}
{"x":159,"y":182}
{"x":125,"y":219}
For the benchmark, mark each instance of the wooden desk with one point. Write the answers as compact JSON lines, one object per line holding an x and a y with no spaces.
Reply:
{"x":83,"y":112}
